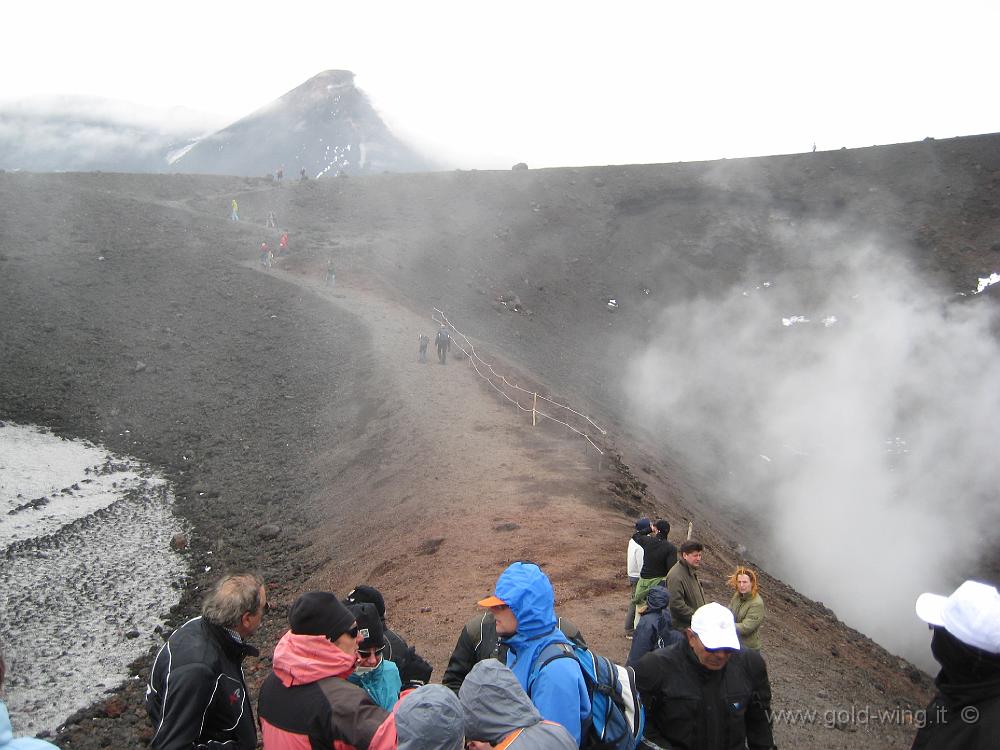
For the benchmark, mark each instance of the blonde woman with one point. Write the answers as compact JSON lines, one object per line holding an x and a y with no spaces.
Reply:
{"x":747,"y":607}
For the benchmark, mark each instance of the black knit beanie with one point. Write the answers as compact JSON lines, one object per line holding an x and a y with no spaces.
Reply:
{"x":369,"y":625}
{"x":320,"y":613}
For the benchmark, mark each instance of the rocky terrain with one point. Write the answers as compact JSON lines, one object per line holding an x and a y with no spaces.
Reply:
{"x":303,"y":437}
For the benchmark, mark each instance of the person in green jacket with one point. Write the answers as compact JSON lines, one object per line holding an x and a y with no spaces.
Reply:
{"x":686,"y":594}
{"x":747,"y":607}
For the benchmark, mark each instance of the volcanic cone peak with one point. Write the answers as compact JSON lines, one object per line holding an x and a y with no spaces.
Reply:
{"x":326,"y":126}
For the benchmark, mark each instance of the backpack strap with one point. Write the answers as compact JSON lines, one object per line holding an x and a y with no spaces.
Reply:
{"x":549,"y":654}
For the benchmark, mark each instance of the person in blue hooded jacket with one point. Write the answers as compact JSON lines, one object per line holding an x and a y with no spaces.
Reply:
{"x":524,"y":607}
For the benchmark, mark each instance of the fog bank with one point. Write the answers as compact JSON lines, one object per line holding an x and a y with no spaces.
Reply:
{"x":852,"y":411}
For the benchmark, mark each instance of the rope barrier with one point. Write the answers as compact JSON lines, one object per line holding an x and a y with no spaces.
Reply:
{"x":475,"y":360}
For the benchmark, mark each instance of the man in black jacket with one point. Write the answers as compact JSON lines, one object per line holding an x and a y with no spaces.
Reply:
{"x":478,"y":641}
{"x":197,"y":697}
{"x":965,"y":712}
{"x":658,"y":557}
{"x":706,"y":693}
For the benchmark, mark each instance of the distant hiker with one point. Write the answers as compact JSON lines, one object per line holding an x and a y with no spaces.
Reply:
{"x":658,"y":557}
{"x":686,"y":594}
{"x":283,"y":244}
{"x":266,"y":259}
{"x":302,"y":174}
{"x":331,"y":277}
{"x":965,"y":712}
{"x":280,"y":174}
{"x":747,"y":607}
{"x":443,"y":343}
{"x":633,"y":566}
{"x":654,"y":629}
{"x":197,"y":696}
{"x":704,"y":692}
{"x":270,"y":223}
{"x":377,"y":676}
{"x":7,"y":740}
{"x":498,"y":713}
{"x":235,"y":214}
{"x":526,"y":623}
{"x":414,"y":670}
{"x":306,"y":700}
{"x":423,"y":339}
{"x":479,"y":641}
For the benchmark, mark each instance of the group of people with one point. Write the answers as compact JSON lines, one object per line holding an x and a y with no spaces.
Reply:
{"x":666,"y":591}
{"x":341,"y":678}
{"x":442,"y":342}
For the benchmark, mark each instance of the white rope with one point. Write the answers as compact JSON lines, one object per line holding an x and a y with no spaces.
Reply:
{"x":475,"y":358}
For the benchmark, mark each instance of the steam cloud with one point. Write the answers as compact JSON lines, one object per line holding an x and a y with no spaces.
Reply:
{"x":864,"y":448}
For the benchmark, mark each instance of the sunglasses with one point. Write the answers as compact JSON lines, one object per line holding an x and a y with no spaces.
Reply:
{"x":353,"y":631}
{"x":371,"y":654}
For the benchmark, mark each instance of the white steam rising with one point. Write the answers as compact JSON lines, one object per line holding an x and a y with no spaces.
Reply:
{"x":864,"y":448}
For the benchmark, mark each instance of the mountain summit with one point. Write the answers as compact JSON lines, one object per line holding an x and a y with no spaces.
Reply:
{"x":326,"y":126}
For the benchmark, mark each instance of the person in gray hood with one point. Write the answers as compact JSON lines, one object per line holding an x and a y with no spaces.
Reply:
{"x":500,"y":715}
{"x":430,"y":718}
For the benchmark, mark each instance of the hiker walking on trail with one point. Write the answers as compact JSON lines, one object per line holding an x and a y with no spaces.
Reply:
{"x":283,"y":244}
{"x":686,"y":594}
{"x":265,"y":255}
{"x":705,"y":692}
{"x":965,"y":712}
{"x":423,"y":339}
{"x":498,"y":713}
{"x":747,"y":607}
{"x":443,"y":343}
{"x":523,"y":605}
{"x":235,"y":213}
{"x":331,"y":277}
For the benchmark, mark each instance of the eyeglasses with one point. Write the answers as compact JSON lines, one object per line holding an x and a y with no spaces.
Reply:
{"x":371,"y":654}
{"x":267,"y":607}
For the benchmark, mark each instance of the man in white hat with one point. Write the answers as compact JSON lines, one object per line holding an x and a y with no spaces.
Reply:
{"x":965,"y":712}
{"x":706,"y":692}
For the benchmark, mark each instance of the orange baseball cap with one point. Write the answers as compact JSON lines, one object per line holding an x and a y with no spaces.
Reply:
{"x":491,"y":601}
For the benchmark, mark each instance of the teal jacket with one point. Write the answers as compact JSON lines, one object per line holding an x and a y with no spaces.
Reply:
{"x":8,"y":742}
{"x":382,"y":684}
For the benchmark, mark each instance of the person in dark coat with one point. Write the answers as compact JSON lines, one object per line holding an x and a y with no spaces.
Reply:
{"x":654,"y":629}
{"x":965,"y":713}
{"x":705,"y":692}
{"x":658,"y":557}
{"x":196,"y":695}
{"x":443,"y":343}
{"x":479,"y":641}
{"x":414,"y":670}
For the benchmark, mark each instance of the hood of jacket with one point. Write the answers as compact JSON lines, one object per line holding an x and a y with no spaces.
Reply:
{"x":495,"y":703}
{"x":302,"y":659}
{"x":527,"y":591}
{"x":430,"y":718}
{"x":657,"y":598}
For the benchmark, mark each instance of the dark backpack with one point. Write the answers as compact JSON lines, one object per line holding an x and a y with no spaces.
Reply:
{"x":616,"y":718}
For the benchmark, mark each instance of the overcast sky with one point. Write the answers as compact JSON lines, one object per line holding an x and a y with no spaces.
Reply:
{"x":485,"y":84}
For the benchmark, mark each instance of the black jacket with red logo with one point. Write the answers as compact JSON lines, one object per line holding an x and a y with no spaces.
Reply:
{"x":197,"y":694}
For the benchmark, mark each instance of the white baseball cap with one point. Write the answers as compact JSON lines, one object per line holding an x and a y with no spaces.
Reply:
{"x":971,"y":614}
{"x":715,"y":626}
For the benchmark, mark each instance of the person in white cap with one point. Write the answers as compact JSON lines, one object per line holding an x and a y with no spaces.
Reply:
{"x":965,"y":712}
{"x":706,"y":692}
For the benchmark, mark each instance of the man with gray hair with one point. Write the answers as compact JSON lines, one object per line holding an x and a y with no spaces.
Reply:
{"x":197,"y":697}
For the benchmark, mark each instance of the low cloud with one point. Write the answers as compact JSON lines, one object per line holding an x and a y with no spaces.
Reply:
{"x":861,"y":438}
